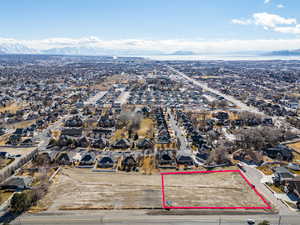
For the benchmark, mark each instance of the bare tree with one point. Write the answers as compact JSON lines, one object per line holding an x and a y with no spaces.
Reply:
{"x":258,"y":138}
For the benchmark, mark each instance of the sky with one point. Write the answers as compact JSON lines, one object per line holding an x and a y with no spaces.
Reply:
{"x":167,"y":25}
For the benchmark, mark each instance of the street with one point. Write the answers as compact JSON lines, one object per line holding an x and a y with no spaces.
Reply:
{"x":183,"y":142}
{"x":238,"y":103}
{"x":131,"y":217}
{"x":251,"y":173}
{"x":255,"y":177}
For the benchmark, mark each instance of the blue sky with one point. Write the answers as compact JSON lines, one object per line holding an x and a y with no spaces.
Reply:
{"x":188,"y":20}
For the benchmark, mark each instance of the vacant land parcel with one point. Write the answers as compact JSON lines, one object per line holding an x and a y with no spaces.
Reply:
{"x":80,"y":188}
{"x":210,"y":189}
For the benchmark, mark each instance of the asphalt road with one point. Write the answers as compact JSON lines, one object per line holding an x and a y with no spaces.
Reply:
{"x":255,"y":177}
{"x":92,"y":100}
{"x":183,"y":142}
{"x":227,"y":97}
{"x":252,"y":174}
{"x":131,"y":217}
{"x":241,"y":105}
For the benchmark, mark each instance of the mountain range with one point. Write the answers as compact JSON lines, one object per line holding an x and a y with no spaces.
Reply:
{"x":22,"y":49}
{"x":285,"y":53}
{"x":16,"y":49}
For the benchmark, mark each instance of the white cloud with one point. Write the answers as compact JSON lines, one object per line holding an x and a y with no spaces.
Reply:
{"x":272,"y":22}
{"x":267,"y":1}
{"x":241,"y":22}
{"x":288,"y":30}
{"x":168,"y":45}
{"x":280,"y":6}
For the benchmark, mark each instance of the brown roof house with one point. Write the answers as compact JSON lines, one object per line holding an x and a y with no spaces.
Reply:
{"x":122,"y":143}
{"x":16,"y":183}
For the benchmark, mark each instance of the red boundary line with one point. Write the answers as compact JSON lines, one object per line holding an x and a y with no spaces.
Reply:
{"x":212,"y":171}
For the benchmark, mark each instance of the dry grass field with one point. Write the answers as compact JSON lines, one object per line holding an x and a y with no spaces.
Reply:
{"x":146,"y":128}
{"x":4,"y":195}
{"x":265,"y":169}
{"x":4,"y":139}
{"x":83,"y":189}
{"x":80,"y":189}
{"x":22,"y":124}
{"x":295,"y":146}
{"x":111,"y":80}
{"x":12,"y":108}
{"x":227,"y":189}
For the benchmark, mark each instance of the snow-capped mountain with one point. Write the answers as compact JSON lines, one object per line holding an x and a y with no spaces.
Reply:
{"x":98,"y":51}
{"x":16,"y":49}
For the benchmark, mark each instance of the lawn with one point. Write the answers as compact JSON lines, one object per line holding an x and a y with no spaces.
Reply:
{"x":265,"y":169}
{"x":5,"y":162}
{"x":146,"y":128}
{"x":22,"y":124}
{"x":296,"y":158}
{"x":119,"y":134}
{"x":4,"y":139}
{"x":12,"y":108}
{"x":294,"y":171}
{"x":4,"y":195}
{"x":296,"y":147}
{"x":275,"y":189}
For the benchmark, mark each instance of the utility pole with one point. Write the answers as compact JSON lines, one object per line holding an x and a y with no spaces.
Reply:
{"x":279,"y":220}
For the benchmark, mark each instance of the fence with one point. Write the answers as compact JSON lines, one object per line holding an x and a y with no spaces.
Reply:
{"x":11,"y":168}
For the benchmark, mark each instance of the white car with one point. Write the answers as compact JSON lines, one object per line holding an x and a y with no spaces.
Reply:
{"x":250,"y":221}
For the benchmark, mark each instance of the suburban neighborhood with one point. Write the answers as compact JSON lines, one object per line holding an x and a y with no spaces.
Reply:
{"x":105,"y":129}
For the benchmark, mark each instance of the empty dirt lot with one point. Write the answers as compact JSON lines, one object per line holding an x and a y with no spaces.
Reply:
{"x":83,"y":189}
{"x":226,"y":189}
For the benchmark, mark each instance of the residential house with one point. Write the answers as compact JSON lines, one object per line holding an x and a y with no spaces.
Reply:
{"x":122,"y":143}
{"x":282,"y":175}
{"x":105,"y":162}
{"x":87,"y":159}
{"x":280,"y":152}
{"x":16,"y":183}
{"x":293,"y":186}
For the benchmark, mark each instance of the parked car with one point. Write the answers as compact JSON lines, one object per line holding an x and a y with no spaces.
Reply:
{"x":293,"y":166}
{"x":250,"y":221}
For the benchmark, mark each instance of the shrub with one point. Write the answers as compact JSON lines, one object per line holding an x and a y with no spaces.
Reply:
{"x":20,"y":202}
{"x":265,"y":222}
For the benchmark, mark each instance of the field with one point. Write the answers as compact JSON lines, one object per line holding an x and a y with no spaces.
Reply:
{"x":265,"y":169}
{"x":21,"y":124}
{"x":4,"y":138}
{"x":119,"y":133}
{"x":137,"y":191}
{"x":111,"y":80}
{"x":223,"y":189}
{"x":295,"y":146}
{"x":12,"y":108}
{"x":103,"y":191}
{"x":4,"y":195}
{"x":5,"y":162}
{"x":146,"y":128}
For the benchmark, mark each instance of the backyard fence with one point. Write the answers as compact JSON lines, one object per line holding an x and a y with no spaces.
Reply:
{"x":16,"y":164}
